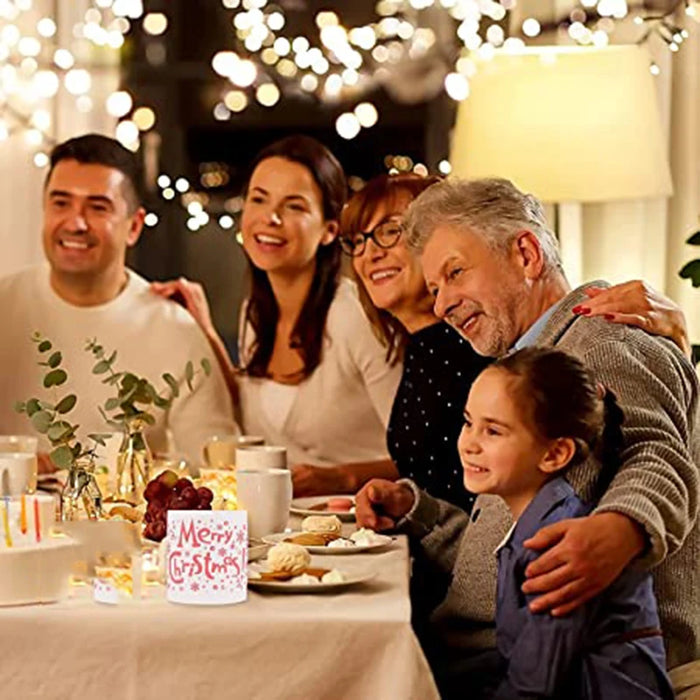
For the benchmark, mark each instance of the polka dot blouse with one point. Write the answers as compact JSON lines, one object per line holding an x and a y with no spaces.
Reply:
{"x":427,"y":415}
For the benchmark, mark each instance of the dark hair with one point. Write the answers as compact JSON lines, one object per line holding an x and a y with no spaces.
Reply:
{"x":262,"y":311}
{"x":102,"y":150}
{"x":382,"y":190}
{"x":563,"y":400}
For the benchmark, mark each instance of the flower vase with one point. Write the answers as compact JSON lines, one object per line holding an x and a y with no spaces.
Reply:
{"x":134,"y":463}
{"x":81,"y":492}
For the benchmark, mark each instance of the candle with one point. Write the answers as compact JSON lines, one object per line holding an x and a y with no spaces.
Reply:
{"x":23,"y":516}
{"x":37,"y":520}
{"x":6,"y":522}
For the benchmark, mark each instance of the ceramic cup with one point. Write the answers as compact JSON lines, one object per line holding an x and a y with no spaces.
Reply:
{"x":17,"y":473}
{"x":220,"y":450}
{"x":261,"y":457}
{"x":20,"y":443}
{"x":266,"y":496}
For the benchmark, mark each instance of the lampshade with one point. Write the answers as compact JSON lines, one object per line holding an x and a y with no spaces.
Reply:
{"x":565,"y":123}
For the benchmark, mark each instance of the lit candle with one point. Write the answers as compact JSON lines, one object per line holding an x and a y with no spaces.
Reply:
{"x":6,"y":522}
{"x":37,"y":520}
{"x":23,"y":516}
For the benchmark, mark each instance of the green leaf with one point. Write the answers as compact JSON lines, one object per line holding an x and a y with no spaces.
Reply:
{"x":45,"y":346}
{"x":77,"y":449}
{"x":41,"y":421}
{"x":54,"y":359}
{"x":112,"y":358}
{"x":33,"y":405}
{"x":62,"y":457}
{"x":59,"y":431}
{"x":101,"y":367}
{"x":691,"y":271}
{"x":146,"y":418}
{"x":66,"y":404}
{"x":20,"y":406}
{"x":129,"y":381}
{"x":112,"y":379}
{"x":98,"y":438}
{"x":160,"y":402}
{"x":206,"y":366}
{"x":189,"y":374}
{"x":694,"y":239}
{"x":55,"y":377}
{"x":172,"y":383}
{"x":111,"y":404}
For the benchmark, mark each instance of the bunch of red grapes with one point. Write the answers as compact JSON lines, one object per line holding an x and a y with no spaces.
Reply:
{"x":169,"y":492}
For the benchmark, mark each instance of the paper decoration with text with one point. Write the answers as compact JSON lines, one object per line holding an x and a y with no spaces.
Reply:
{"x":207,"y":560}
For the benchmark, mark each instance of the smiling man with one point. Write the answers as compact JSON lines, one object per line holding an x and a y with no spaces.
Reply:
{"x":92,"y":215}
{"x":493,"y":268}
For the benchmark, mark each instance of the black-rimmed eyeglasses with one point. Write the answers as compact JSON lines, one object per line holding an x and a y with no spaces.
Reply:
{"x":386,"y":235}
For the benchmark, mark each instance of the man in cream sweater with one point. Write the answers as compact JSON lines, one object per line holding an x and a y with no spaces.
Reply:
{"x":92,"y":214}
{"x":494,"y":269}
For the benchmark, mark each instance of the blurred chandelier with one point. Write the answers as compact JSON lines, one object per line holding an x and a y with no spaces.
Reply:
{"x":414,"y":49}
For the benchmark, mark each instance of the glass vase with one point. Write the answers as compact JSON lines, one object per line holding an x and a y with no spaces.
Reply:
{"x":134,"y":463}
{"x":81,"y":496}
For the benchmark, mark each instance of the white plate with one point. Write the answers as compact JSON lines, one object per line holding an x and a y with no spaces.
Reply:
{"x":288,"y":587}
{"x":302,"y":506}
{"x":321,"y":549}
{"x":257,"y":551}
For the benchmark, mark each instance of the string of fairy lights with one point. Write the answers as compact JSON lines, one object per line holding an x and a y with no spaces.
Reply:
{"x":339,"y":65}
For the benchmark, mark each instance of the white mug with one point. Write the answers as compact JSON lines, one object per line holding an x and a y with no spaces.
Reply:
{"x":220,"y":450}
{"x":261,"y":457}
{"x":17,"y":473}
{"x":266,"y":496}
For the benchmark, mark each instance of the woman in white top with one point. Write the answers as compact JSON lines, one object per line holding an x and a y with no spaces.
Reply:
{"x":314,"y":377}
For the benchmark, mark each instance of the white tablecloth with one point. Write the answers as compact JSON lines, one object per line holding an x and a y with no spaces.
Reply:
{"x":351,"y":645}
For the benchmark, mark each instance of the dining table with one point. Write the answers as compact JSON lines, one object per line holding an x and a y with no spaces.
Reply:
{"x":351,"y":644}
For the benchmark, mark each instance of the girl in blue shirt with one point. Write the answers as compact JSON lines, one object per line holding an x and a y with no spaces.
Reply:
{"x":528,"y":417}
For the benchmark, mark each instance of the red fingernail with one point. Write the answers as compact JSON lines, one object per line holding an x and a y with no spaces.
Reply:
{"x":585,"y":310}
{"x":608,"y":317}
{"x":576,"y":309}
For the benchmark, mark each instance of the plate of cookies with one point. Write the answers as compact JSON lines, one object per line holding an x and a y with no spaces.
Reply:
{"x":321,"y":534}
{"x":288,"y":569}
{"x":341,"y":506}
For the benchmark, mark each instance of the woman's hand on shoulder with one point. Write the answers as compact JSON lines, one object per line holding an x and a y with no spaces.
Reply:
{"x":191,"y":295}
{"x":636,"y":303}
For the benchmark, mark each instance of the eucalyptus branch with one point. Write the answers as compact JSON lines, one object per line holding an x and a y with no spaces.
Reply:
{"x":136,"y":396}
{"x":50,"y":418}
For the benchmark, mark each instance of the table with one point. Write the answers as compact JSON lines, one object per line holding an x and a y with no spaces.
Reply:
{"x":352,"y":645}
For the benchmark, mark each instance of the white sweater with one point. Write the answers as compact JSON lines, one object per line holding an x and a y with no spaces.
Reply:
{"x":340,"y":413}
{"x":151,"y":336}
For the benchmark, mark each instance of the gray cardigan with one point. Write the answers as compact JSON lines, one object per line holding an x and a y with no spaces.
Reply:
{"x":657,"y":485}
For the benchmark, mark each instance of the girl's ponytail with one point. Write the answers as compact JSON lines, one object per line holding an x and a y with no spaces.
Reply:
{"x":610,"y":444}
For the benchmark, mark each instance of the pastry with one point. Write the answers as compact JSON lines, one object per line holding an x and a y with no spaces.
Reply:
{"x":312,"y":539}
{"x":288,"y":557}
{"x":322,"y":523}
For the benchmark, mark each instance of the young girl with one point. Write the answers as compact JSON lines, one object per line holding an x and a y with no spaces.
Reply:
{"x":528,"y":417}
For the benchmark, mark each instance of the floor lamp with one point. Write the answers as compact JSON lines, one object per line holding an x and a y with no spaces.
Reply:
{"x":568,"y":124}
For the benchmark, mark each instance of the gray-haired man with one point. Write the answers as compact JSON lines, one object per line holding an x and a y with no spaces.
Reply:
{"x":492,"y":264}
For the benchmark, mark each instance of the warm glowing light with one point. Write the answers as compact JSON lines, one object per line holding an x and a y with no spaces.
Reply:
{"x":236,"y":100}
{"x":77,"y":81}
{"x":46,"y":27}
{"x":181,"y":184}
{"x":531,"y":27}
{"x":267,"y":94}
{"x":144,"y":118}
{"x":226,"y":221}
{"x":151,"y":219}
{"x":347,"y":125}
{"x":155,"y":23}
{"x":445,"y":167}
{"x":41,"y":160}
{"x":366,"y":114}
{"x":457,"y":86}
{"x":127,"y":133}
{"x":63,"y":59}
{"x":119,"y":103}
